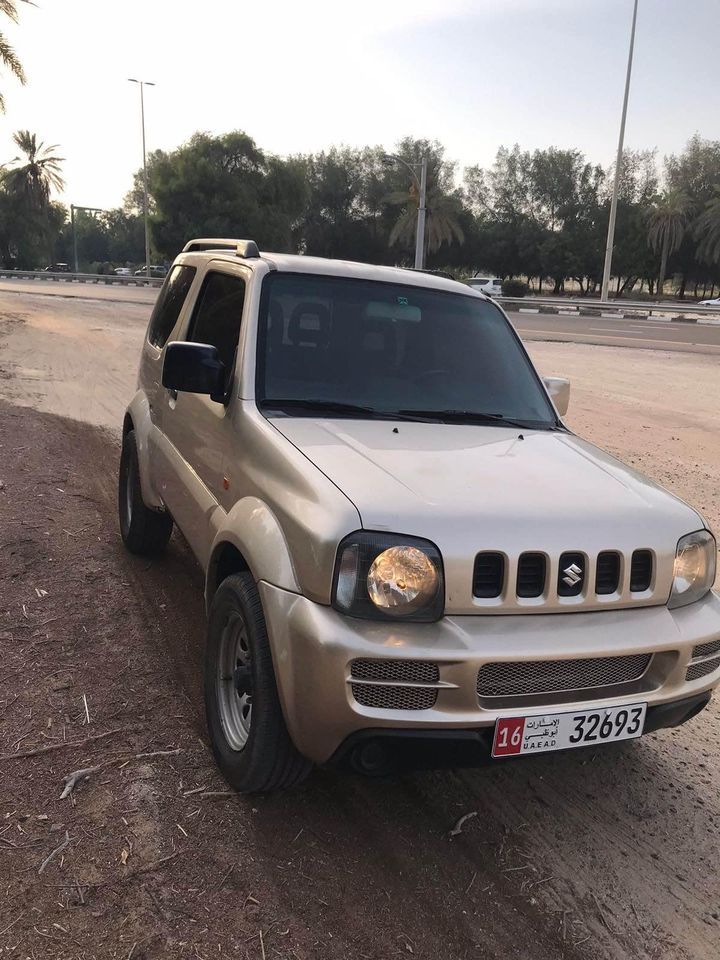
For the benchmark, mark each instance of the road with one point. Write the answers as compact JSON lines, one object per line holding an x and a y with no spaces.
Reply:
{"x":650,"y":334}
{"x":604,"y":855}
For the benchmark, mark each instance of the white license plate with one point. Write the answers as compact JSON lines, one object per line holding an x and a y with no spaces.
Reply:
{"x":561,"y":731}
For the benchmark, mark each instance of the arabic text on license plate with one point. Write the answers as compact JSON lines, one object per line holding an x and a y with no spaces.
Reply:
{"x":560,"y":731}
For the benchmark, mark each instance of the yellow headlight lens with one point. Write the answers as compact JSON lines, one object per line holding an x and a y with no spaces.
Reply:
{"x":694,"y":570}
{"x":401,"y":580}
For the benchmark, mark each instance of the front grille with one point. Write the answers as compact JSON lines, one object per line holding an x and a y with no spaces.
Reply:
{"x":531,"y":575}
{"x":518,"y":679}
{"x":393,"y":698}
{"x":384,"y":694}
{"x":488,"y":575}
{"x":571,"y":575}
{"x":641,"y":571}
{"x":607,"y":576}
{"x":697,"y":670}
{"x":706,"y":649}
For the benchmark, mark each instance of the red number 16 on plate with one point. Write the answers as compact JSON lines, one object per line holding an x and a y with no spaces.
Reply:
{"x":508,"y":736}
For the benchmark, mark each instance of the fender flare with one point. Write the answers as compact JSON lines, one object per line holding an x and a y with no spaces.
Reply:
{"x":253,"y":530}
{"x":138,"y":418}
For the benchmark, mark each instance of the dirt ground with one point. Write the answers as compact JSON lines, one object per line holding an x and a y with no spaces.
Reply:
{"x":607,"y":854}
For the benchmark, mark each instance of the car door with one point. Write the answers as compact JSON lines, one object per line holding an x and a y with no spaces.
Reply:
{"x":197,"y":429}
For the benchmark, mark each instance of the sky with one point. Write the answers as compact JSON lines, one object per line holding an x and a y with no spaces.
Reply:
{"x":302,"y":76}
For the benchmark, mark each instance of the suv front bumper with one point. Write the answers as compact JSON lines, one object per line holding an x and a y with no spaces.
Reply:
{"x":314,"y":648}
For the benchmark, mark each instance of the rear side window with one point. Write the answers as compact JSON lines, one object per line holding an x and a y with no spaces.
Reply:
{"x":218,"y":315}
{"x":169,"y":304}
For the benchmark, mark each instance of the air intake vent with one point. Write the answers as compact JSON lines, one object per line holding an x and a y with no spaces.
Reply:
{"x":571,"y":575}
{"x":488,"y":575}
{"x":394,"y":684}
{"x":531,"y":574}
{"x":641,"y":571}
{"x":607,"y":576}
{"x":706,"y":649}
{"x":524,"y":678}
{"x":697,"y":670}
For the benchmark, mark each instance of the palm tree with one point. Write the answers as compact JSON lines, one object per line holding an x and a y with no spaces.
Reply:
{"x":441,"y":221}
{"x":707,"y":231}
{"x":667,"y":222}
{"x":33,"y":180}
{"x":8,"y":57}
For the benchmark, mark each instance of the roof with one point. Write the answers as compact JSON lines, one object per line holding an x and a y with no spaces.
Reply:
{"x":293,"y":263}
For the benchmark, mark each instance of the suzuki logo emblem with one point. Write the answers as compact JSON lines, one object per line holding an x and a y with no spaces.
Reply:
{"x":573,"y":575}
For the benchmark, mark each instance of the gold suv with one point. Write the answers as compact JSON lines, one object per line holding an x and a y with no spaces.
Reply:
{"x":408,"y":557}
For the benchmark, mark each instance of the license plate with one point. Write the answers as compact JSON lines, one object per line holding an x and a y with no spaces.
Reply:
{"x":561,"y":731}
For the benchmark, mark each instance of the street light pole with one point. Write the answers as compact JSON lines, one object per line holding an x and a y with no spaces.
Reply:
{"x":618,"y":166}
{"x":420,"y":235}
{"x":142,"y":84}
{"x":421,"y":184}
{"x":74,"y":233}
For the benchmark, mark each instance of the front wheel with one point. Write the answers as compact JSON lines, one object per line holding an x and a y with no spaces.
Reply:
{"x":144,"y":531}
{"x":247,"y":729}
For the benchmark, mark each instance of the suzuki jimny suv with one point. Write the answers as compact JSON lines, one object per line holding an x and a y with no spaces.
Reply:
{"x":403,"y":545}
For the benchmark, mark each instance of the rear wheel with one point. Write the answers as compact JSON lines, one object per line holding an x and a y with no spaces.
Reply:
{"x":247,"y":729}
{"x":144,"y":531}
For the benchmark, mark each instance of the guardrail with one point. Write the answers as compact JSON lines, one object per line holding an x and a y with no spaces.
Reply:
{"x":615,"y":308}
{"x":81,"y":278}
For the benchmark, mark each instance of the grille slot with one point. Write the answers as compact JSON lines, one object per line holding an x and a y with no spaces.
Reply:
{"x":394,"y":698}
{"x":706,"y":649}
{"x":641,"y":571}
{"x":697,"y":670}
{"x":607,"y":576}
{"x":531,"y":575}
{"x":571,"y":575}
{"x":530,"y":677}
{"x":488,"y":575}
{"x":412,"y":676}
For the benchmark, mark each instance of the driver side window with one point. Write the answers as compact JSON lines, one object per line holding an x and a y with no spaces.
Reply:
{"x":218,"y":315}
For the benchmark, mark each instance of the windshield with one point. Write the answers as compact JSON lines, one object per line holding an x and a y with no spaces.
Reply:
{"x":385,"y":348}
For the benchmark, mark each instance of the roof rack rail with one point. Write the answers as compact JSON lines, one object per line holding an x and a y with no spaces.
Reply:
{"x":246,"y":249}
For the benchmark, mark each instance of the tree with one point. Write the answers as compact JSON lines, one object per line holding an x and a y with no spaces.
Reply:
{"x":667,"y":221}
{"x":8,"y":57}
{"x":38,"y":172}
{"x":707,"y":231}
{"x":223,"y":187}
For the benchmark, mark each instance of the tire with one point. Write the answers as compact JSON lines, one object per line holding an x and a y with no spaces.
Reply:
{"x":247,"y":729}
{"x":144,"y":531}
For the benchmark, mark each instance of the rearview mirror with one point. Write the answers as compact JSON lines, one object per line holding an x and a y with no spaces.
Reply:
{"x":559,"y":390}
{"x":194,"y":368}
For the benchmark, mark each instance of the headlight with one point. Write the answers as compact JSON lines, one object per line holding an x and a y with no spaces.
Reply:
{"x":694,"y":572}
{"x":384,"y":576}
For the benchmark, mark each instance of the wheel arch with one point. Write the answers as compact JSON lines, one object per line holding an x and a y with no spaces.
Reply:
{"x":137,"y":418}
{"x":251,"y":539}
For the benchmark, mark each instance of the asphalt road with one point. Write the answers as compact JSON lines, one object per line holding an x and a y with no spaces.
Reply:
{"x":650,"y":334}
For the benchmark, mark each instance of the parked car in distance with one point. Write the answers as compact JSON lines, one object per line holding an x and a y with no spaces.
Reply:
{"x":58,"y":268}
{"x":492,"y":287}
{"x":406,"y":553}
{"x":122,"y":272}
{"x":710,"y":303}
{"x":158,"y":272}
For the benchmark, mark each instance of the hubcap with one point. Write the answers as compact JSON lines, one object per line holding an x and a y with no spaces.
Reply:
{"x":234,"y":682}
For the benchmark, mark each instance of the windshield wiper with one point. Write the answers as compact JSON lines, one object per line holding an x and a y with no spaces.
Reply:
{"x":478,"y":416}
{"x":337,"y":406}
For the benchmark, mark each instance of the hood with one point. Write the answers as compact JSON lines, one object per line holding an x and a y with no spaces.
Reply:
{"x":469,"y":488}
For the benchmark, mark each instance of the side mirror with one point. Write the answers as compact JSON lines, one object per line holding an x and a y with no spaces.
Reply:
{"x":194,"y":368}
{"x":559,"y":390}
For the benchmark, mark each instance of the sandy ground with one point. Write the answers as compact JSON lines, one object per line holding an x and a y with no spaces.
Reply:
{"x":610,"y":854}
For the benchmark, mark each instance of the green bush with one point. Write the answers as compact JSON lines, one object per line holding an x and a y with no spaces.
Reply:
{"x":514,"y":288}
